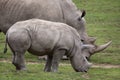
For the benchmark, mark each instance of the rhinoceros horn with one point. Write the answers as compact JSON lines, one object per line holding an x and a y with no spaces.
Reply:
{"x":92,"y":40}
{"x":102,"y":47}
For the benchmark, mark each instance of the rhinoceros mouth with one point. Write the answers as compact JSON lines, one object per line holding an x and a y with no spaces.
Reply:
{"x":81,"y":70}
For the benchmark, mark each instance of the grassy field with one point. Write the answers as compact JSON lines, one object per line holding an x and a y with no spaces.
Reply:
{"x":103,"y":22}
{"x":35,"y":72}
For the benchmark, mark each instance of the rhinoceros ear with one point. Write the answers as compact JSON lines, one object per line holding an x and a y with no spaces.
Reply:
{"x":83,"y":13}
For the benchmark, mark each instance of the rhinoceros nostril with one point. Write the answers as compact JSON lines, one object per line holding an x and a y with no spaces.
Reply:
{"x":87,"y":58}
{"x":85,"y":71}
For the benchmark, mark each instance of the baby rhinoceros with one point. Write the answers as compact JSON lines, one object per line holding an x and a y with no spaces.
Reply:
{"x":41,"y":37}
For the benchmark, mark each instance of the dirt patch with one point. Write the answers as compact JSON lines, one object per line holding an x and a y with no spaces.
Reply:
{"x":105,"y":66}
{"x":63,"y":64}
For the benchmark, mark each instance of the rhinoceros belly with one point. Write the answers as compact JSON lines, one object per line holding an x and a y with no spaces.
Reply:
{"x":40,"y":52}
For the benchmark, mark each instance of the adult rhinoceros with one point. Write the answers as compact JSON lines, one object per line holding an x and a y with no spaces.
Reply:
{"x":64,"y":11}
{"x":42,"y":37}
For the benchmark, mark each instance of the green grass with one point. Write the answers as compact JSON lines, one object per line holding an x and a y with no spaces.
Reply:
{"x":103,"y":22}
{"x":35,"y":72}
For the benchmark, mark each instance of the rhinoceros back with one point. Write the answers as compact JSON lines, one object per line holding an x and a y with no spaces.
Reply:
{"x":12,"y":11}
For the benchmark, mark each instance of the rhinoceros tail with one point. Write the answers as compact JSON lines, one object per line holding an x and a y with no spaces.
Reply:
{"x":5,"y":49}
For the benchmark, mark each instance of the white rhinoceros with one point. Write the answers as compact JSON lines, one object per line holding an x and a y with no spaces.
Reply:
{"x":53,"y":39}
{"x":64,"y":11}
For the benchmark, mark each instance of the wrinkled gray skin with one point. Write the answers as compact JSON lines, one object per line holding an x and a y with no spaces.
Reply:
{"x":41,"y":37}
{"x":64,"y":11}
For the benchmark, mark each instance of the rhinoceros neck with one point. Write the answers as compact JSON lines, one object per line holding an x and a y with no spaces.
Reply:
{"x":69,"y":8}
{"x":70,"y":11}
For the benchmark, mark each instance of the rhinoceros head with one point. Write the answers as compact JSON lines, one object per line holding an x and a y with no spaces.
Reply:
{"x":81,"y":57}
{"x":89,"y":47}
{"x":80,"y":25}
{"x":79,"y":63}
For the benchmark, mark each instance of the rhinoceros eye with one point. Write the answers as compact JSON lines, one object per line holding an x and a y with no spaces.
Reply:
{"x":79,"y":19}
{"x":82,"y":40}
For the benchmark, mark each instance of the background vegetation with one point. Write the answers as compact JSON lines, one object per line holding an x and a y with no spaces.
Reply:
{"x":103,"y":22}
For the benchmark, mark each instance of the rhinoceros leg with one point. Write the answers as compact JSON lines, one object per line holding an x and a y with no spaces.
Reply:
{"x":57,"y":55}
{"x":19,"y":44}
{"x":18,"y":61}
{"x":48,"y":63}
